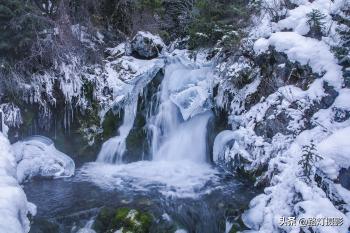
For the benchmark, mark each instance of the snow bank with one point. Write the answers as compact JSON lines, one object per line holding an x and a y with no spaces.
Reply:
{"x":14,"y":206}
{"x":306,"y":118}
{"x":337,"y":148}
{"x":306,"y":51}
{"x":37,"y":156}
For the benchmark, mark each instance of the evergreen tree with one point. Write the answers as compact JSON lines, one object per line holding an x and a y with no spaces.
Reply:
{"x":316,"y":23}
{"x":212,"y":20}
{"x":19,"y":26}
{"x":308,"y":160}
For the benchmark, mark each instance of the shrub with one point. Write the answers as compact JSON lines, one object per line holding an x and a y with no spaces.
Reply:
{"x":308,"y":160}
{"x":315,"y":20}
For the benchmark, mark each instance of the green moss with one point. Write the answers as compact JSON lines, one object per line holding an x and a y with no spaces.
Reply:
{"x":110,"y":125}
{"x":121,"y":214}
{"x":130,"y":220}
{"x":44,"y":226}
{"x":145,"y":219}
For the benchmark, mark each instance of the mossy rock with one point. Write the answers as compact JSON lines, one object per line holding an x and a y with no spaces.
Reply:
{"x":125,"y":219}
{"x":44,"y":226}
{"x":111,"y":124}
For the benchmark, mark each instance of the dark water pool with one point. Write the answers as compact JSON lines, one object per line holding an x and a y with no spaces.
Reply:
{"x":69,"y":204}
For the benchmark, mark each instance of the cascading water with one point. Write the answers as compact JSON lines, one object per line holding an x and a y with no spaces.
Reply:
{"x":179,"y":125}
{"x":166,"y":186}
{"x":177,"y":132}
{"x":179,"y":128}
{"x":113,"y":149}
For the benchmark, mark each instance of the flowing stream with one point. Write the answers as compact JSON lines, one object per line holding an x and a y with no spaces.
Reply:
{"x":177,"y":184}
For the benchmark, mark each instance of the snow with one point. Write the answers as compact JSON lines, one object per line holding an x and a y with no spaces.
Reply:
{"x":14,"y":206}
{"x":147,"y":45}
{"x":289,"y":194}
{"x":220,"y":144}
{"x":337,"y":147}
{"x":297,"y":17}
{"x":126,"y":77}
{"x":306,"y":51}
{"x":37,"y":156}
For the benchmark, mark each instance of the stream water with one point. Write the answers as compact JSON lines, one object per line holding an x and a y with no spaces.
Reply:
{"x":178,"y":185}
{"x":199,"y":201}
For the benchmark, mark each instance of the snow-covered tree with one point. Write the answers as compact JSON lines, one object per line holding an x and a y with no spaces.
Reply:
{"x":316,"y":23}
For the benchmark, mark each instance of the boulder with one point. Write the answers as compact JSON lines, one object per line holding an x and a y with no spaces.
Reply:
{"x":146,"y":45}
{"x":122,"y":220}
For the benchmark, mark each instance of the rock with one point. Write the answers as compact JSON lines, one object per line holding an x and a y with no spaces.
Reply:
{"x":44,"y":226}
{"x":123,"y":220}
{"x":344,"y":178}
{"x":340,"y":114}
{"x":274,"y":123}
{"x":147,"y":46}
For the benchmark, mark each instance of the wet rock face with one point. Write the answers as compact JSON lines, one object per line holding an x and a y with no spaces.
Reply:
{"x":146,"y":46}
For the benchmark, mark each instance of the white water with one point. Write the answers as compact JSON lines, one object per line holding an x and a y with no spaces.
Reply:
{"x":178,"y":132}
{"x":113,"y":149}
{"x":174,"y":136}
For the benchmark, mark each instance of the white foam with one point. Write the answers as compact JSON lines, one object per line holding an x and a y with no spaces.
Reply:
{"x":171,"y":178}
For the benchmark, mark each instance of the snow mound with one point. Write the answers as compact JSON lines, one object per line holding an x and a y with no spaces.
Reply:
{"x":337,"y":148}
{"x":37,"y":156}
{"x":14,"y":206}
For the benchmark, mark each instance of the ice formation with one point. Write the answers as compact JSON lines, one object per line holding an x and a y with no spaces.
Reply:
{"x":37,"y":156}
{"x":14,"y":207}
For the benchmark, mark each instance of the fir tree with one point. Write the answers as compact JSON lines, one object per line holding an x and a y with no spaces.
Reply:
{"x":308,"y":160}
{"x":19,"y":26}
{"x":316,"y":23}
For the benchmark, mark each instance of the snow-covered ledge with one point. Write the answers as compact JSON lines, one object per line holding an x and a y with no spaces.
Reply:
{"x":14,"y":206}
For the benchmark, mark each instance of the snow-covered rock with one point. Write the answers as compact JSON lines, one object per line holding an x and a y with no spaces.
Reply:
{"x":37,"y":156}
{"x":272,"y":128}
{"x":14,"y":207}
{"x":146,"y":45}
{"x":124,"y":79}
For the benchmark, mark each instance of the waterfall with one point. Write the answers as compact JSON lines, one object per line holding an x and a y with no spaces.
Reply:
{"x":176,"y":118}
{"x":113,"y":149}
{"x":177,"y":127}
{"x":174,"y":135}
